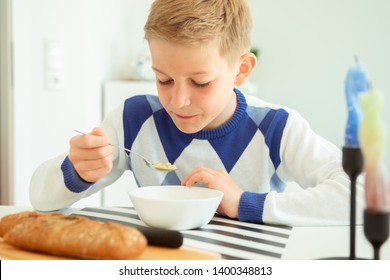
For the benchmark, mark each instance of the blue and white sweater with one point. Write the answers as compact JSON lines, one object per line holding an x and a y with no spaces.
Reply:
{"x":265,"y":148}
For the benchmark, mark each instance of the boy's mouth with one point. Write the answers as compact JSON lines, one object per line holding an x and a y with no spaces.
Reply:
{"x":185,"y":117}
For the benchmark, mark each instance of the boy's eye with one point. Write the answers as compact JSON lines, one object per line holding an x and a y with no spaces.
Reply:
{"x":165,"y":83}
{"x":170,"y":81}
{"x":200,"y":85}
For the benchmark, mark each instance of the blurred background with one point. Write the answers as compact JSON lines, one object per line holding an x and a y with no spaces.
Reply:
{"x":57,"y":56}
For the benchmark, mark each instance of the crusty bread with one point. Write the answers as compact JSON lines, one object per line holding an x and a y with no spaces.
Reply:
{"x":9,"y":221}
{"x":72,"y":236}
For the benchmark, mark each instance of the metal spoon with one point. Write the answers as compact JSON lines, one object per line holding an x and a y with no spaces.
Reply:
{"x":167,"y":167}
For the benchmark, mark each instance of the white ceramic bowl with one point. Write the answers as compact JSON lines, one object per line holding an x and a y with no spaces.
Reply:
{"x":175,"y":207}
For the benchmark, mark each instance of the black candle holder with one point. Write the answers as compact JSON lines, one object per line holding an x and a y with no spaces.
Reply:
{"x":376,"y":229}
{"x":353,"y":163}
{"x":376,"y":223}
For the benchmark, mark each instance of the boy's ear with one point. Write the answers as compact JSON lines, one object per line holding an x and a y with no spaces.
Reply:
{"x":247,"y":64}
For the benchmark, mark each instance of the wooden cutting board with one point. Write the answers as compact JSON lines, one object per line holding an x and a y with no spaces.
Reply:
{"x":8,"y":252}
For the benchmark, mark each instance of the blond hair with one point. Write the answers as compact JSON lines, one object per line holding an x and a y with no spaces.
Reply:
{"x":193,"y":22}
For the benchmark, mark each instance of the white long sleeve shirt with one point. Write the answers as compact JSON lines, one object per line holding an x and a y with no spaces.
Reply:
{"x":264,"y":147}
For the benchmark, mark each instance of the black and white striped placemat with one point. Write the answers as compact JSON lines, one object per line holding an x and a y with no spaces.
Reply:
{"x":230,"y":238}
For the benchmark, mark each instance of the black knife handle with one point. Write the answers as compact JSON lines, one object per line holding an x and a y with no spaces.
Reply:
{"x":162,"y":237}
{"x":155,"y":237}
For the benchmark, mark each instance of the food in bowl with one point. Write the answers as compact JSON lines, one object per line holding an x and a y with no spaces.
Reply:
{"x":175,"y":207}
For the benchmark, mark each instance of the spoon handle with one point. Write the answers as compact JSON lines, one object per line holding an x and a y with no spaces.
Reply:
{"x":123,"y":148}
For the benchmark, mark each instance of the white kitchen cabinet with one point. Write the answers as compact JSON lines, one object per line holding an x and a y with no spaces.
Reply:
{"x":114,"y":93}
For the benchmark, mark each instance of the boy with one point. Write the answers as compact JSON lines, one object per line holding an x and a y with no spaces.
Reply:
{"x":216,"y":135}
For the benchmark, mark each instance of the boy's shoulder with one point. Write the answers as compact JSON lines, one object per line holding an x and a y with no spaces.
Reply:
{"x":254,"y":101}
{"x":141,"y":101}
{"x":258,"y":106}
{"x":141,"y":106}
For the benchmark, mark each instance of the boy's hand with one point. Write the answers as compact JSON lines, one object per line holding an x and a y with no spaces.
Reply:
{"x":218,"y":180}
{"x":91,"y":155}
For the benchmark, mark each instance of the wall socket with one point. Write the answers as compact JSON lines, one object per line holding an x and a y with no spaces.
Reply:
{"x":53,"y":64}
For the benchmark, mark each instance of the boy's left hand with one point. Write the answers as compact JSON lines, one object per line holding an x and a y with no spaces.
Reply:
{"x":218,"y":180}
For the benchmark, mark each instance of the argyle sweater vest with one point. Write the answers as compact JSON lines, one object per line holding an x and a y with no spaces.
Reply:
{"x":247,"y":147}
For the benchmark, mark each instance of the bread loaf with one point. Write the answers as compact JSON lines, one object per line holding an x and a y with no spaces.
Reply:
{"x":72,"y":236}
{"x":9,"y":221}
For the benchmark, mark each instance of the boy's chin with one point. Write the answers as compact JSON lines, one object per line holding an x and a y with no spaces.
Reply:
{"x":189,"y":129}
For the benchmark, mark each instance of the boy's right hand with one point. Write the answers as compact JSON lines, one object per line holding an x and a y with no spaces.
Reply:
{"x":91,"y":155}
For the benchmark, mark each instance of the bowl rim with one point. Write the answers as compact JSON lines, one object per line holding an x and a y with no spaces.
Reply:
{"x":219,"y":194}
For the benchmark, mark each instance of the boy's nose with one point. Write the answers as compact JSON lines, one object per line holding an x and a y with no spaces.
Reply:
{"x":180,"y":97}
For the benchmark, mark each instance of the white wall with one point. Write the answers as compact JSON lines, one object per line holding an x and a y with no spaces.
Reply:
{"x":100,"y":39}
{"x":306,"y":48}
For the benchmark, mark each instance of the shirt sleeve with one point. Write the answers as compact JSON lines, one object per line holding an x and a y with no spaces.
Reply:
{"x":318,"y":190}
{"x":251,"y":206}
{"x":55,"y":183}
{"x":72,"y":179}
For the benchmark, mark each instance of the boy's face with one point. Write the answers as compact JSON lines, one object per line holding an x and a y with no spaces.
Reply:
{"x":194,"y":83}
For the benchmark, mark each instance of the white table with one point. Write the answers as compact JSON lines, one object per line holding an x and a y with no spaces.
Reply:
{"x":329,"y":241}
{"x":304,"y":243}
